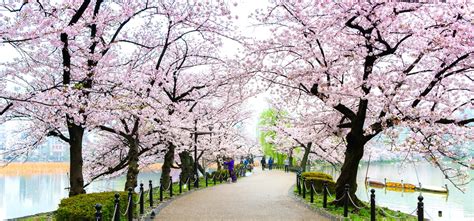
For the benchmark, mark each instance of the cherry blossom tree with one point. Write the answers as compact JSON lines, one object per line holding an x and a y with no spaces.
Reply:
{"x":62,"y":48}
{"x":175,"y":68}
{"x":305,"y":127}
{"x":381,"y":67}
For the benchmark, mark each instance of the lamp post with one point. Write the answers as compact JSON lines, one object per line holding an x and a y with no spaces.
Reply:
{"x":196,"y":134}
{"x":196,"y":184}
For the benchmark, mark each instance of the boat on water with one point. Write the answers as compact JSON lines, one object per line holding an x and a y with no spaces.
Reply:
{"x":433,"y":189}
{"x":375,"y":183}
{"x":398,"y":186}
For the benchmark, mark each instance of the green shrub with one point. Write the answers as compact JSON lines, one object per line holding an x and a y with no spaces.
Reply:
{"x":319,"y":178}
{"x":238,"y":167}
{"x":317,"y":174}
{"x":82,"y":207}
{"x":319,"y":184}
{"x":220,"y":173}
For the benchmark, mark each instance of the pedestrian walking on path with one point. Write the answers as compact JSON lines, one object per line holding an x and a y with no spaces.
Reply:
{"x":263,"y":162}
{"x":270,"y":163}
{"x":287,"y":165}
{"x":230,"y":167}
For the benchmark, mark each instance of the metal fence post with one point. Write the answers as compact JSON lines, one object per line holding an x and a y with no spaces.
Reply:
{"x":130,"y":204}
{"x":304,"y":188}
{"x":206,"y":180}
{"x":180,"y":184}
{"x":98,"y":212}
{"x":420,"y":208}
{"x":312,"y":191}
{"x":346,"y":200}
{"x":150,"y":193}
{"x":298,"y":183}
{"x":171,"y":187}
{"x":117,"y":205}
{"x":142,"y":201}
{"x":196,"y":182}
{"x":325,"y":194}
{"x":161,"y":189}
{"x":189,"y":183}
{"x":372,"y":205}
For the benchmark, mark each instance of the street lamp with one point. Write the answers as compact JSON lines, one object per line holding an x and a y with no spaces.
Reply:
{"x":196,"y":134}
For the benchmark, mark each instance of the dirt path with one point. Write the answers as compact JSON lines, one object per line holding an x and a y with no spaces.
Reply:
{"x":262,"y":196}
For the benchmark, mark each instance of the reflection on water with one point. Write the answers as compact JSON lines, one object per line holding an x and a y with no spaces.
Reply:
{"x":455,"y":206}
{"x":27,"y":195}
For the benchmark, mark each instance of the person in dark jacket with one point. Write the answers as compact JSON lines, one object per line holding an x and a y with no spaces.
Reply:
{"x":263,"y":162}
{"x":230,"y":166}
{"x":270,"y":163}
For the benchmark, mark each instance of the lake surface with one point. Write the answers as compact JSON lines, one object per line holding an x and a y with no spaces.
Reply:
{"x":27,"y":195}
{"x":454,"y":206}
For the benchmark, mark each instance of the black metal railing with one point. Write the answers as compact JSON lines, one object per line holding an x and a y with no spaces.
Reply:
{"x":302,"y":189}
{"x":149,"y":195}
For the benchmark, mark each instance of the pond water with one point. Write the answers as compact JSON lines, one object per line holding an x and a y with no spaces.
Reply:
{"x":454,"y":206}
{"x":28,"y":195}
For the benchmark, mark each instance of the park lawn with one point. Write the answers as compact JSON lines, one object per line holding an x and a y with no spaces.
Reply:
{"x":360,"y":215}
{"x":39,"y":217}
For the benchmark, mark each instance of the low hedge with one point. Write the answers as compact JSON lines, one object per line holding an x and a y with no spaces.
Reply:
{"x":317,"y":174}
{"x":82,"y":207}
{"x":238,"y":167}
{"x":319,"y":178}
{"x":319,"y":184}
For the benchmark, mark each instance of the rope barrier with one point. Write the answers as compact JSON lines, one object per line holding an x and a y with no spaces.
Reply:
{"x":128,"y":207}
{"x":426,"y":212}
{"x":327,"y":190}
{"x":211,"y":176}
{"x":305,"y":187}
{"x":169,"y":185}
{"x":314,"y":190}
{"x":139,"y":198}
{"x":186,"y":181}
{"x":395,"y":217}
{"x":148,"y":193}
{"x":353,"y":203}
{"x":115,"y":212}
{"x":337,"y":200}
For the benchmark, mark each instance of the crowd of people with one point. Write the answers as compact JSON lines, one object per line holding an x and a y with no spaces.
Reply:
{"x":248,"y":163}
{"x":270,"y":162}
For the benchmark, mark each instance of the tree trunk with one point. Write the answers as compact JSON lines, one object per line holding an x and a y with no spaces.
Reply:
{"x":307,"y":149}
{"x":168,"y":162}
{"x":132,"y":172}
{"x":76,"y":179}
{"x":219,"y":165}
{"x":290,"y":158}
{"x":353,"y":155}
{"x":187,"y":165}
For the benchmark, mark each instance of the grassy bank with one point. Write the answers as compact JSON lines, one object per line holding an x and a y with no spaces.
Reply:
{"x":156,"y":198}
{"x":38,"y":217}
{"x":363,"y":214}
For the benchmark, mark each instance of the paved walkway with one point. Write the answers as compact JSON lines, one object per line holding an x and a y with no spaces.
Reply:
{"x":261,"y":196}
